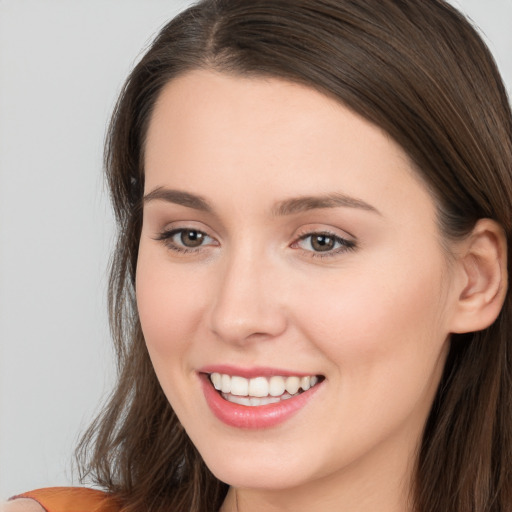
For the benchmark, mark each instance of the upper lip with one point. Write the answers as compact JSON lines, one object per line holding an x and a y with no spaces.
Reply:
{"x":254,"y":371}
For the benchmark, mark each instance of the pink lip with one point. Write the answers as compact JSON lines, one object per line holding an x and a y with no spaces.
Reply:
{"x":249,"y":373}
{"x":259,"y":417}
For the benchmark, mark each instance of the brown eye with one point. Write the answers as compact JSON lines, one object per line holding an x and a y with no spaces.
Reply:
{"x":186,"y":240}
{"x":322,"y":243}
{"x":325,"y":244}
{"x":191,"y":238}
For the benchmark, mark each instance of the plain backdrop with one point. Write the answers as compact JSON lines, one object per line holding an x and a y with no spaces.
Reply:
{"x":62,"y":64}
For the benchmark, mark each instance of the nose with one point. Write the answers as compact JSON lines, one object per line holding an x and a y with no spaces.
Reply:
{"x":248,"y":305}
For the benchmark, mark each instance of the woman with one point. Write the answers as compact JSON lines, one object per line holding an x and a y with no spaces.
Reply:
{"x":309,"y":293}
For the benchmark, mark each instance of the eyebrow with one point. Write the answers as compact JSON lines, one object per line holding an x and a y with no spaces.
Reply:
{"x":179,"y":197}
{"x":282,"y":208}
{"x":334,"y":200}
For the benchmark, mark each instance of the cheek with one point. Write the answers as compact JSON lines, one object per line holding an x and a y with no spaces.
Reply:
{"x":382,"y":325}
{"x":383,"y":335}
{"x":170,"y":315}
{"x":168,"y":308}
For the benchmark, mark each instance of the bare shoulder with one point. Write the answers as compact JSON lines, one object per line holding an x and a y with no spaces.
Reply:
{"x":21,"y":505}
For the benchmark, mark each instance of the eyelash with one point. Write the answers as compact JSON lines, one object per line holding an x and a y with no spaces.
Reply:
{"x":344,"y":245}
{"x":167,"y":236}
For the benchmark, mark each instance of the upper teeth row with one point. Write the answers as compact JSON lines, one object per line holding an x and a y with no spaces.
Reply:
{"x":261,"y":386}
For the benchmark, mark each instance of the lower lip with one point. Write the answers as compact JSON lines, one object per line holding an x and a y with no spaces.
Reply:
{"x":257,"y":417}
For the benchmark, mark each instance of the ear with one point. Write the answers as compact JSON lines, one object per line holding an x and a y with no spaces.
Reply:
{"x":482,"y":262}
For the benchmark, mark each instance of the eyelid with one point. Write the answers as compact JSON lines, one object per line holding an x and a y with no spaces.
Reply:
{"x":167,"y":234}
{"x":345,"y":243}
{"x":342,"y":243}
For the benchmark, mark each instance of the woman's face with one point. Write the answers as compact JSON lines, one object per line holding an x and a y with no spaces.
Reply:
{"x":287,"y":240}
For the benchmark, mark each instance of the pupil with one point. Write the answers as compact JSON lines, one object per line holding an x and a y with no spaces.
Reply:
{"x":191,"y":238}
{"x":322,"y":243}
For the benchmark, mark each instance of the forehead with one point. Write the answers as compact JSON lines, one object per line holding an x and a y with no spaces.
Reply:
{"x":258,"y":106}
{"x":211,"y":131}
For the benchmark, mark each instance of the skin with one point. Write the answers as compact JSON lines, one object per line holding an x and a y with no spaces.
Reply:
{"x":373,"y":314}
{"x":374,"y":320}
{"x":21,"y":505}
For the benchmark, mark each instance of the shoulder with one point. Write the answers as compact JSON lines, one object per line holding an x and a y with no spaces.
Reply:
{"x":62,"y":499}
{"x":21,"y":505}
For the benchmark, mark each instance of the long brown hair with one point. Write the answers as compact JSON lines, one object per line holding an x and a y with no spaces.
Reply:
{"x":417,"y":69}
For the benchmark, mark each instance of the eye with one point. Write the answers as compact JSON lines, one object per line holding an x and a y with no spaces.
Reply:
{"x":324,"y":243}
{"x":185,"y":239}
{"x":190,"y":237}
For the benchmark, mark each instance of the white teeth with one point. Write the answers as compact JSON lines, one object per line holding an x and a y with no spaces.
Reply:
{"x":261,"y":387}
{"x":226,"y":383}
{"x":264,"y":400}
{"x":292,"y":385}
{"x":276,"y":386}
{"x":216,"y":380}
{"x":239,"y":386}
{"x":250,"y":401}
{"x":242,"y":400}
{"x":258,"y":387}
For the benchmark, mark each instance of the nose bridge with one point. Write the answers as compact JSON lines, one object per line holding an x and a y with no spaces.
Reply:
{"x":247,"y":302}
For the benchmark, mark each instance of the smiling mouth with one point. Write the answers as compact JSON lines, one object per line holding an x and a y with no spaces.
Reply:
{"x":260,"y":391}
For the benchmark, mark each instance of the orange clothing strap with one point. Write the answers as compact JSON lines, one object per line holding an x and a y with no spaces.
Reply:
{"x":72,"y":499}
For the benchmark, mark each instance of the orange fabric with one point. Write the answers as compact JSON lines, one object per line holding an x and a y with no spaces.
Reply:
{"x":72,"y":499}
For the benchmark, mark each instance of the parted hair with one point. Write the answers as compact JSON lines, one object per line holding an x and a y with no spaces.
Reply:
{"x":418,"y":70}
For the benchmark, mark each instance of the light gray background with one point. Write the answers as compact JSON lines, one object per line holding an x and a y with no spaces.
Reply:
{"x":62,"y":64}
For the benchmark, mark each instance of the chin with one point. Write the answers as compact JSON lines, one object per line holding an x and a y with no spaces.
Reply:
{"x":271,"y":477}
{"x":260,"y":464}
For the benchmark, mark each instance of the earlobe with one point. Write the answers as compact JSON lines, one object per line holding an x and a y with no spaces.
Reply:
{"x":483,"y":263}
